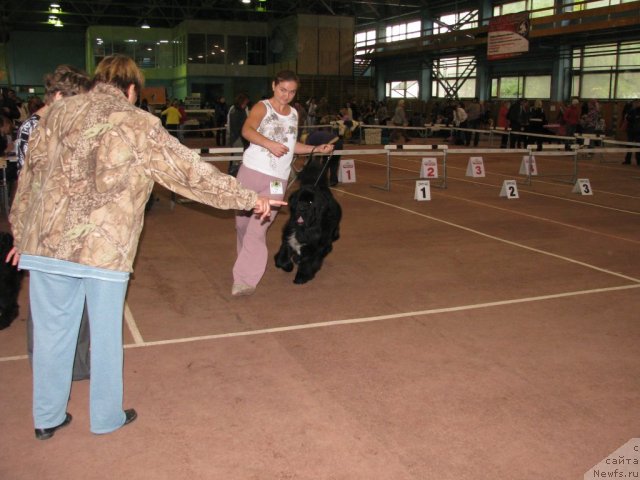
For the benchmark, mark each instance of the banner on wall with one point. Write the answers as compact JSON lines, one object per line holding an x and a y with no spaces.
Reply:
{"x":508,"y":36}
{"x":154,"y":95}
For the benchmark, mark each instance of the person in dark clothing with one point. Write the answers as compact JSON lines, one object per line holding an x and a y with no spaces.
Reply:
{"x":537,"y":120}
{"x":8,"y":107}
{"x":235,"y":120}
{"x":516,"y":116}
{"x":221,"y":112}
{"x":632,"y":118}
{"x":325,"y":135}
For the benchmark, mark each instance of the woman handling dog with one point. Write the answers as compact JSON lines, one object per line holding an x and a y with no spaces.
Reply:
{"x":272,"y":130}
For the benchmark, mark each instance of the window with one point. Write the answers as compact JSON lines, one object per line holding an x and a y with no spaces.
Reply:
{"x":456,"y":21}
{"x":538,"y":8}
{"x":606,"y":71}
{"x":215,"y":52}
{"x":532,"y":86}
{"x":403,"y":89}
{"x":403,"y":31}
{"x":455,"y":77}
{"x":237,"y":50}
{"x":364,"y":39}
{"x":197,"y":48}
{"x":256,"y":50}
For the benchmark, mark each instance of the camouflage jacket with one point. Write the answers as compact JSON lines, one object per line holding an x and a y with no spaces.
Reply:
{"x":90,"y":168}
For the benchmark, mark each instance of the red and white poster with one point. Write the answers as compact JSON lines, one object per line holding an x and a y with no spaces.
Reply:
{"x":508,"y":36}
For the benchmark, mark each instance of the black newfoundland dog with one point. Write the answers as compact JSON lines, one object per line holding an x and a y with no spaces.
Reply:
{"x":313,"y":225}
{"x":9,"y":283}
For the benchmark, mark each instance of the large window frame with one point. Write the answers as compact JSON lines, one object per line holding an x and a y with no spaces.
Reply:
{"x":455,"y":21}
{"x":521,"y":86}
{"x":608,"y":71}
{"x":403,"y":31}
{"x":402,"y":89}
{"x":459,"y":75}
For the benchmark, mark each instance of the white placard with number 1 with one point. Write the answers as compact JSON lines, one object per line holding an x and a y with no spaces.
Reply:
{"x":347,"y":171}
{"x":475,"y":167}
{"x":429,"y":168}
{"x":423,"y":190}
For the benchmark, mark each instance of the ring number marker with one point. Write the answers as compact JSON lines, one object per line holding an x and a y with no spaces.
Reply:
{"x":423,"y":190}
{"x":429,"y":168}
{"x":347,"y":171}
{"x":583,"y":187}
{"x":509,"y":189}
{"x":475,"y":167}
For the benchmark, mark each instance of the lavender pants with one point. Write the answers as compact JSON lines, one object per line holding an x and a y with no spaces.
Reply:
{"x":251,"y":231}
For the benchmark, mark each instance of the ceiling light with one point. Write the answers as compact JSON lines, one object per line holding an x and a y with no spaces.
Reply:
{"x":58,"y":23}
{"x":55,"y":8}
{"x":246,"y":1}
{"x":145,"y":25}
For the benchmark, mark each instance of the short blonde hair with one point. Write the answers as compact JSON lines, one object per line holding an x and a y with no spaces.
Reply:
{"x":120,"y":71}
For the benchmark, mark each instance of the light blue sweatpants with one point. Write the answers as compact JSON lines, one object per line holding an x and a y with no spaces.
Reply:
{"x":57,"y":302}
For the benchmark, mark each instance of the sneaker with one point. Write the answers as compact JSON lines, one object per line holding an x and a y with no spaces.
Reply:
{"x":240,"y":289}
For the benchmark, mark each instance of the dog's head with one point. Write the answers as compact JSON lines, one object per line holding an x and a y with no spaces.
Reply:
{"x":307,"y":207}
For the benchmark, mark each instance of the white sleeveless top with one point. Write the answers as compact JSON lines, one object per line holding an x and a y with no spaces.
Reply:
{"x":279,"y":128}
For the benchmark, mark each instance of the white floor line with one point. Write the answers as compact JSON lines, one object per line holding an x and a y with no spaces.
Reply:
{"x":493,"y":237}
{"x":131,"y":323}
{"x":378,"y":318}
{"x":543,"y":219}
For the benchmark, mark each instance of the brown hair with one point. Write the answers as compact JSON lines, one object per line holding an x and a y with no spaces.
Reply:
{"x":120,"y":71}
{"x":286,"y":76}
{"x":67,"y":80}
{"x":240,"y":99}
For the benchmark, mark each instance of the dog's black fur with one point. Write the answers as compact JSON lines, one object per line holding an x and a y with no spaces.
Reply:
{"x":9,"y":283}
{"x":313,"y":225}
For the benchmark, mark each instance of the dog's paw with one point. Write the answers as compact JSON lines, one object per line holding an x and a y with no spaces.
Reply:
{"x":287,"y":267}
{"x":302,"y":278}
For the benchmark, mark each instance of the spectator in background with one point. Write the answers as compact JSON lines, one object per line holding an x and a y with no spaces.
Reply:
{"x":8,"y":106}
{"x":474,"y":117}
{"x":571,"y":118}
{"x":220,"y":118}
{"x":502,"y":121}
{"x":312,"y":108}
{"x":35,"y":103}
{"x":172,"y":116}
{"x":235,"y":120}
{"x":459,"y":120}
{"x":632,"y":119}
{"x":518,"y":119}
{"x":144,"y":105}
{"x":537,"y":121}
{"x":183,"y":118}
{"x":326,"y":135}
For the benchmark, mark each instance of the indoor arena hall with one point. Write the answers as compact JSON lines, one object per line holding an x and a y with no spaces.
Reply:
{"x":473,"y":335}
